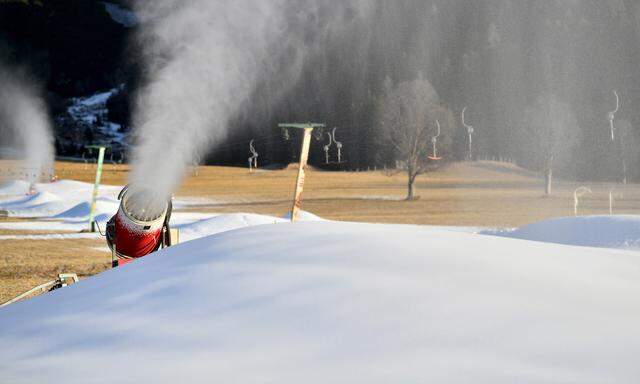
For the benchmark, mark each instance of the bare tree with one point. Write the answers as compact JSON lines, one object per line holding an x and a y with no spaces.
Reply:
{"x":408,"y":113}
{"x":548,"y":134}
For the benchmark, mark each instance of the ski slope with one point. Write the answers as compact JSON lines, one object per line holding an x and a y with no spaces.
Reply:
{"x":327,"y":302}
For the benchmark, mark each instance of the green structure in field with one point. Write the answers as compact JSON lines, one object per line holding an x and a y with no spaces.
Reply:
{"x":101,"y":149}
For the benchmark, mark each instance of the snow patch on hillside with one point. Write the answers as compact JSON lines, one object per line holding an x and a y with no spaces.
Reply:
{"x":121,"y":15}
{"x":91,"y":111}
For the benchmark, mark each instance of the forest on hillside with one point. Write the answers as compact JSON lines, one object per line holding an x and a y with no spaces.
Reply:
{"x":539,"y":80}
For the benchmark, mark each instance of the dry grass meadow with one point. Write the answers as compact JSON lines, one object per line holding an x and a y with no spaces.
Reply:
{"x":464,"y":194}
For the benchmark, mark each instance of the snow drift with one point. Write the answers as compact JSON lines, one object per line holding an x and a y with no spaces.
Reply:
{"x":321,"y":302}
{"x":591,"y":231}
{"x":14,"y":187}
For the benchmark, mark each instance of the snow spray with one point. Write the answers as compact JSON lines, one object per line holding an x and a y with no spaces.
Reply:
{"x":203,"y":60}
{"x":25,"y":126}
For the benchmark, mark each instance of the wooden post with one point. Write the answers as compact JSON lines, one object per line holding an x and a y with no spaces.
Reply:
{"x":304,"y":156}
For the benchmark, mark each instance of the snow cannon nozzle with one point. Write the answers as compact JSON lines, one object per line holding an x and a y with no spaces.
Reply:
{"x":141,"y":225}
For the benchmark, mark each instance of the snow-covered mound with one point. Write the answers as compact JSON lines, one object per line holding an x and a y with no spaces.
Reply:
{"x":14,"y":187}
{"x":61,"y":199}
{"x":83,"y":209}
{"x":223,"y":223}
{"x":32,"y":200}
{"x":591,"y":231}
{"x":36,"y":205}
{"x":327,"y":302}
{"x":304,"y":216}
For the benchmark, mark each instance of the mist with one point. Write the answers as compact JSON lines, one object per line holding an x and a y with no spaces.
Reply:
{"x":220,"y":73}
{"x":204,"y":60}
{"x":25,"y":124}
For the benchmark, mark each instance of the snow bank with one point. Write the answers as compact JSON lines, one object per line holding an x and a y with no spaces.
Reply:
{"x":61,"y":199}
{"x":327,"y":302}
{"x":304,"y":216}
{"x":590,"y":231}
{"x":37,"y":205}
{"x":31,"y":200}
{"x":223,"y":223}
{"x":52,"y":236}
{"x":83,"y":209}
{"x":14,"y":187}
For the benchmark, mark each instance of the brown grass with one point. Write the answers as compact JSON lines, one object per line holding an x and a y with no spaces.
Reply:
{"x":27,"y":263}
{"x":469,"y":194}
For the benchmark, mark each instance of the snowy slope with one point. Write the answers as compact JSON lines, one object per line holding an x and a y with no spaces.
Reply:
{"x":621,"y":231}
{"x":326,"y":302}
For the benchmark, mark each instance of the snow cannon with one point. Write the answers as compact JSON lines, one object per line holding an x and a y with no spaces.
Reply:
{"x":141,"y":225}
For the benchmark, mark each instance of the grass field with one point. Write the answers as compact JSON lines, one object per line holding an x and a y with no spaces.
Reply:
{"x":465,"y":194}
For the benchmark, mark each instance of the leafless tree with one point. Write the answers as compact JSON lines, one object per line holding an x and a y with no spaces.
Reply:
{"x":407,"y":116}
{"x":548,"y":134}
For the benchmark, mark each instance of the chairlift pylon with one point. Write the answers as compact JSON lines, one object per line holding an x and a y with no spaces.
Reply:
{"x":253,"y":159}
{"x":338,"y":145}
{"x":326,"y":148}
{"x":434,"y":141}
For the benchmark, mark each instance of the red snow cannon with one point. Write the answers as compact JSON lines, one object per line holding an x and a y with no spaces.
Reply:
{"x":141,"y":225}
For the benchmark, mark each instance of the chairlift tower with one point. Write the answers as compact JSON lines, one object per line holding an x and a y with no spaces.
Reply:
{"x":253,"y":159}
{"x":338,"y":144}
{"x":470,"y":131}
{"x":304,"y":156}
{"x":327,"y":148}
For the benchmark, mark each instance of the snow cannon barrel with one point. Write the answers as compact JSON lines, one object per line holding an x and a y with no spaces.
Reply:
{"x":141,"y":225}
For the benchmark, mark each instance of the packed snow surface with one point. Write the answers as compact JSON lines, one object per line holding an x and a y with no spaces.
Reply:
{"x":591,"y":231}
{"x":327,"y":302}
